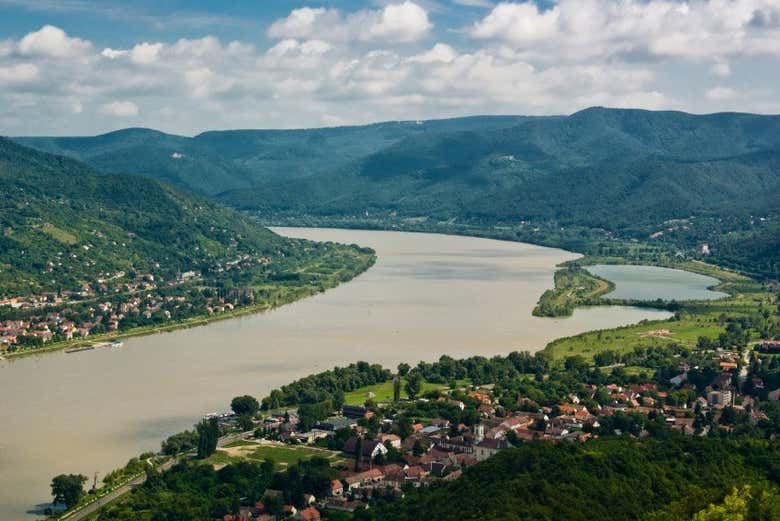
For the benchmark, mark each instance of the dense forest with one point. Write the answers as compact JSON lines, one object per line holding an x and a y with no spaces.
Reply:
{"x":64,"y":224}
{"x":606,"y":479}
{"x":681,"y":179}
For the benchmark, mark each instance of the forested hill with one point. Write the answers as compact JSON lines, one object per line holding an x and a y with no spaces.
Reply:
{"x":621,"y":172}
{"x":219,"y":161}
{"x":62,"y":223}
{"x":608,"y":479}
{"x":618,"y":169}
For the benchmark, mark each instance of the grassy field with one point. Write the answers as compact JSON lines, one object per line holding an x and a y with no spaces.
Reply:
{"x":384,"y":392}
{"x":695,"y":318}
{"x":282,"y":455}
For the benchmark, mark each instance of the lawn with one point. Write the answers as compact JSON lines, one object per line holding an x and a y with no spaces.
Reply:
{"x":282,"y":455}
{"x":289,"y":455}
{"x":384,"y":391}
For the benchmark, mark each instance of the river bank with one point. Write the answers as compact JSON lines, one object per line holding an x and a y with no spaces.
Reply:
{"x":287,"y":296}
{"x":426,"y":296}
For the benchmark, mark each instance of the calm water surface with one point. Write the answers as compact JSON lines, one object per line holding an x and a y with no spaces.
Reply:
{"x":651,"y":283}
{"x":427,"y":295}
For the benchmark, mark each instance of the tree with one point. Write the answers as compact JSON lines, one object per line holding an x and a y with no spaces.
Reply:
{"x":396,"y":389}
{"x":358,"y":453}
{"x":575,"y":363}
{"x":245,"y":405}
{"x":181,"y":442}
{"x":208,"y":435}
{"x":311,"y":413}
{"x":418,"y":449}
{"x":413,"y":384}
{"x":403,"y":369}
{"x":404,"y":427}
{"x":733,"y":508}
{"x":245,"y":423}
{"x":68,"y":488}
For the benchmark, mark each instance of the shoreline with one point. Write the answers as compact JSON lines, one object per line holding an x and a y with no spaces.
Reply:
{"x":198,"y":321}
{"x":723,"y":275}
{"x":264,"y":307}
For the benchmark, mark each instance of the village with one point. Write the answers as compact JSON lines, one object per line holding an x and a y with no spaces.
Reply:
{"x":117,"y":302}
{"x":385,"y":447}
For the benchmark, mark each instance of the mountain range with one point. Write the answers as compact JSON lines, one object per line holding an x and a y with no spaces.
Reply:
{"x":629,"y":172}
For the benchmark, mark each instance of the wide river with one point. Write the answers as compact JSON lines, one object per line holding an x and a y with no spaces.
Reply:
{"x":426,"y":296}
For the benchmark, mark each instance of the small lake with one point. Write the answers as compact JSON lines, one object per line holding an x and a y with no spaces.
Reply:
{"x":651,"y":283}
{"x":426,"y":296}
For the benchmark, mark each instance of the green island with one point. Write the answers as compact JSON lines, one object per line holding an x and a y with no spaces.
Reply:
{"x":573,"y":286}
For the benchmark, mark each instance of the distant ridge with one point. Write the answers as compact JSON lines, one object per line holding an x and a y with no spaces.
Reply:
{"x":627,"y":171}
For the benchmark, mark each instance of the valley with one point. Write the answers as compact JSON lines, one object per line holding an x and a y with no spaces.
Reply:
{"x":446,"y":232}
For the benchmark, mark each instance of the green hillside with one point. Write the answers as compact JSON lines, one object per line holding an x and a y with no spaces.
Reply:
{"x":600,"y":167}
{"x":609,"y":479}
{"x":220,"y":161}
{"x":604,"y":174}
{"x":64,"y":224}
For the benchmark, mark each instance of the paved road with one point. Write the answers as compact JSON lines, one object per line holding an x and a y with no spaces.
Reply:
{"x":111,"y":496}
{"x":127,"y":487}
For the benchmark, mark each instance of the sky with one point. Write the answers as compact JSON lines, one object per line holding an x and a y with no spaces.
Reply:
{"x":84,"y":67}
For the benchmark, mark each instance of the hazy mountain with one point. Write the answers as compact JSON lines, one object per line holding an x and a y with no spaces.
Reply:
{"x":623,"y":170}
{"x":219,"y":161}
{"x":599,"y":167}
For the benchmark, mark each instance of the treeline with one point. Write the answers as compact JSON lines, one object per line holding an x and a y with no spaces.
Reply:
{"x":605,"y":479}
{"x":327,"y":386}
{"x":481,"y":370}
{"x":198,"y":492}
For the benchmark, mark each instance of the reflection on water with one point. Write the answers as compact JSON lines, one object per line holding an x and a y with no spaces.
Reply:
{"x":427,"y":295}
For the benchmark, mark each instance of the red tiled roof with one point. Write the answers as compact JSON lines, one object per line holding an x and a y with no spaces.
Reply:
{"x":309,"y":514}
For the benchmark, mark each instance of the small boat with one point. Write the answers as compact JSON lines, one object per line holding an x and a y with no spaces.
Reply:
{"x":116,"y":343}
{"x":79,"y":349}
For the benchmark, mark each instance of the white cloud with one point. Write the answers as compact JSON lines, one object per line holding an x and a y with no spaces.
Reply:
{"x":518,"y":23}
{"x":404,"y":22}
{"x":401,"y":22}
{"x":303,"y":22}
{"x":144,"y":53}
{"x":314,"y":78}
{"x":113,"y":54}
{"x":441,"y":52}
{"x":636,"y":28}
{"x":121,"y":109}
{"x":52,"y":41}
{"x":291,"y":46}
{"x":23,"y":72}
{"x":720,"y":94}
